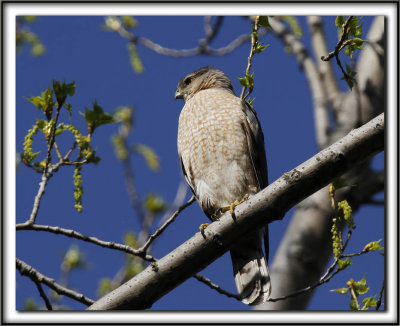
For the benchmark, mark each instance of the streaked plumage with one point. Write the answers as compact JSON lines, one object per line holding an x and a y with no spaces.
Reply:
{"x":221,"y":149}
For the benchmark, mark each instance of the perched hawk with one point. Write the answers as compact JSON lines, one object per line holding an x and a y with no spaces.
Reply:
{"x":221,"y":149}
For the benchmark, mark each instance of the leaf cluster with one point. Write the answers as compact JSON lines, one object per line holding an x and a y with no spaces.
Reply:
{"x":355,"y":289}
{"x":50,"y":103}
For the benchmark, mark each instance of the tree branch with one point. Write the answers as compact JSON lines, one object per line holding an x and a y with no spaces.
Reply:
{"x":74,"y":234}
{"x":36,"y":276}
{"x":164,"y":226}
{"x":321,"y":117}
{"x":42,"y":294}
{"x":320,"y":47}
{"x":269,"y":204}
{"x":306,"y":246}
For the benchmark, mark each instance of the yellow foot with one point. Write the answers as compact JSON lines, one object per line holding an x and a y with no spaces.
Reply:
{"x":203,"y":226}
{"x":232,"y":206}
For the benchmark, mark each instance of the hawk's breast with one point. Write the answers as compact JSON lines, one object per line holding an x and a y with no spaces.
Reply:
{"x":214,"y":150}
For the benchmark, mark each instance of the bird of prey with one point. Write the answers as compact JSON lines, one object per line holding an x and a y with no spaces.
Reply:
{"x":222,"y":155}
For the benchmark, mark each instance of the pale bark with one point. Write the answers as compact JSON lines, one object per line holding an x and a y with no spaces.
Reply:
{"x":306,"y":247}
{"x":269,"y":204}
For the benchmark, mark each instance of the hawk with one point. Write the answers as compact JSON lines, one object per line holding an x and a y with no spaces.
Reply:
{"x":222,"y":155}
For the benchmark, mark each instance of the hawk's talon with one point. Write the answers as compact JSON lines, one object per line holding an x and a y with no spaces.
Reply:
{"x":203,"y":226}
{"x":231,"y":207}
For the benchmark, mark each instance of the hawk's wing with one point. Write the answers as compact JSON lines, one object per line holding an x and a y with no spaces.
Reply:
{"x":255,"y":142}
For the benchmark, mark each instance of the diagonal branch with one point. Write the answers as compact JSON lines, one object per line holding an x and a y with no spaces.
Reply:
{"x":164,"y":226}
{"x":269,"y":204}
{"x":36,"y":276}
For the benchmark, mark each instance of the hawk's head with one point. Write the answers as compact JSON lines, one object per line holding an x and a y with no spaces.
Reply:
{"x":203,"y":78}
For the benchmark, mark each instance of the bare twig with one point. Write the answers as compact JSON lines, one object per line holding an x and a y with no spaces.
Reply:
{"x":202,"y":48}
{"x":58,"y":151}
{"x":38,"y":198}
{"x":164,"y":226}
{"x":379,"y":302}
{"x":74,"y":234}
{"x":36,"y":276}
{"x":42,"y":294}
{"x":131,"y":188}
{"x":216,"y":287}
{"x":178,"y":201}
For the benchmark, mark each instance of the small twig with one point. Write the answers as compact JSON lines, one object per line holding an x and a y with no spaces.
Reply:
{"x":42,"y":294}
{"x":38,"y":198}
{"x":210,"y":31}
{"x":340,"y":45}
{"x":379,"y":302}
{"x":164,"y":226}
{"x":252,"y":48}
{"x":216,"y":287}
{"x":66,"y":157}
{"x":58,"y":151}
{"x":178,"y":201}
{"x":203,"y":47}
{"x":36,"y":276}
{"x":353,"y":295}
{"x":74,"y":234}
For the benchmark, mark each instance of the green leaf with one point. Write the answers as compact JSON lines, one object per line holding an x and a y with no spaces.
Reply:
{"x":119,"y":147}
{"x":74,"y":258}
{"x":61,"y":90}
{"x":130,"y":239}
{"x":341,"y":290}
{"x":339,"y":21}
{"x":60,"y":129}
{"x":37,"y":101}
{"x":69,"y":108}
{"x":260,"y":48}
{"x":369,"y":302}
{"x":251,"y":101}
{"x":344,"y":263}
{"x":341,"y":182}
{"x":136,"y":63}
{"x":361,"y":287}
{"x":152,"y":160}
{"x":96,"y":117}
{"x":129,"y":21}
{"x":294,"y":25}
{"x":155,"y":204}
{"x":244,"y":81}
{"x":374,"y":245}
{"x":264,"y":21}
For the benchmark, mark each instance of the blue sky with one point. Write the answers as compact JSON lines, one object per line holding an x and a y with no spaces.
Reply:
{"x":79,"y":50}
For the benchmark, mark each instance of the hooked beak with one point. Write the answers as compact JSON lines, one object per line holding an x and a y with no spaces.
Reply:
{"x":178,"y":95}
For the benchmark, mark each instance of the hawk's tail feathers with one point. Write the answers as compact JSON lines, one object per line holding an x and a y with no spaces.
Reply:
{"x":251,"y":272}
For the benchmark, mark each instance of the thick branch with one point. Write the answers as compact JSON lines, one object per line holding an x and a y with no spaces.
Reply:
{"x":313,"y":78}
{"x":306,"y":246}
{"x":269,"y":204}
{"x":320,"y":47}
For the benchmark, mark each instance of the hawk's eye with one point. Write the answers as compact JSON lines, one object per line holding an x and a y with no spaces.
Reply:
{"x":187,"y":81}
